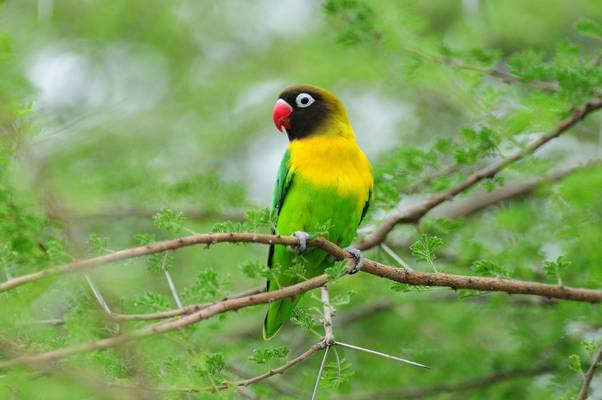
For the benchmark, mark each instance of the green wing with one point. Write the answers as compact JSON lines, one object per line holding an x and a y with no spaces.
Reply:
{"x":283,"y":182}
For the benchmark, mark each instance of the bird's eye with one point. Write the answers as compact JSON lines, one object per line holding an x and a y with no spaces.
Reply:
{"x":304,"y":100}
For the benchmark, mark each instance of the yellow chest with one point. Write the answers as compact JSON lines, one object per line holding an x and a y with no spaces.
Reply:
{"x":332,"y":161}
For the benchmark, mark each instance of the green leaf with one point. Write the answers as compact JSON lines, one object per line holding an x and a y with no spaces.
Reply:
{"x":489,"y":268}
{"x":337,"y":270}
{"x":590,"y":347}
{"x":336,"y":373}
{"x":343,"y":299}
{"x":356,"y":17}
{"x":590,"y":28}
{"x":151,"y":301}
{"x":575,"y":363}
{"x":169,"y":220}
{"x":145,"y":238}
{"x":97,"y":244}
{"x":493,"y":183}
{"x":254,"y":269}
{"x":206,"y":287}
{"x":227,"y":226}
{"x":263,"y":356}
{"x":424,"y":248}
{"x":304,"y":318}
{"x":528,"y":65}
{"x":57,"y":251}
{"x":263,"y":219}
{"x":555,"y":269}
{"x":214,"y":362}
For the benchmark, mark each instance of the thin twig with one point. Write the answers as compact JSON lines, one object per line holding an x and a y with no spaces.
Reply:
{"x":415,"y":212}
{"x":482,"y":200}
{"x":162,"y":327}
{"x":587,"y":379}
{"x":157,"y":314}
{"x":243,"y":382}
{"x":372,"y":267}
{"x":183,"y":310}
{"x":494,"y":73}
{"x":281,"y":387}
{"x":246,"y":382}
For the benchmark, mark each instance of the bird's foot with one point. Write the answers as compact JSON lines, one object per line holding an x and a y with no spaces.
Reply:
{"x":358,"y":259}
{"x":302,"y":246}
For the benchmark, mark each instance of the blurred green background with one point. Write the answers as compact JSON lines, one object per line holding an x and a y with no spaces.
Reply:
{"x":113,"y":110}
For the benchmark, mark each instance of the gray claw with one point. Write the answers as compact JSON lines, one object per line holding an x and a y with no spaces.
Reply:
{"x":357,"y":257}
{"x":303,"y":237}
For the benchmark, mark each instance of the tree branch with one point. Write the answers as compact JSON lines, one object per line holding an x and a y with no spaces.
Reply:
{"x":153,"y":248}
{"x":396,"y":274}
{"x":505,"y":77}
{"x":291,"y":363}
{"x":415,"y":212}
{"x":179,"y":311}
{"x":482,"y":199}
{"x":163,"y":327}
{"x":583,"y":393}
{"x":241,"y":383}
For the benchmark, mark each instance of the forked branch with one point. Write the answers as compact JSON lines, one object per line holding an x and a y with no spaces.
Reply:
{"x":415,"y":212}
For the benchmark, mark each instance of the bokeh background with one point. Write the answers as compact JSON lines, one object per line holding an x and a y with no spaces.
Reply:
{"x":114,"y":110}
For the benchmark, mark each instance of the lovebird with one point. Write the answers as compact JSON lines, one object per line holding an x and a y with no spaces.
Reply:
{"x":324,"y":185}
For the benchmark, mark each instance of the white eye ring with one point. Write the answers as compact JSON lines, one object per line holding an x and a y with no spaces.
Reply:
{"x":304,"y":100}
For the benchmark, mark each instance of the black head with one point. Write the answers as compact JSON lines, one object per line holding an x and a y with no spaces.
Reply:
{"x":302,"y":110}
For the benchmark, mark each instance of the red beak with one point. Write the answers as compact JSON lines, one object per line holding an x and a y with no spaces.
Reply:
{"x":282,"y":115}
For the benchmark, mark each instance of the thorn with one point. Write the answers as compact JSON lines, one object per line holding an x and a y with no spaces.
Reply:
{"x":395,"y":257}
{"x":378,"y":353}
{"x":320,"y":371}
{"x":172,"y":287}
{"x":98,"y":295}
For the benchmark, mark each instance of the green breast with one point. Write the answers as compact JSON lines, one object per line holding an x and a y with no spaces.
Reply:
{"x":315,"y":209}
{"x":319,"y":209}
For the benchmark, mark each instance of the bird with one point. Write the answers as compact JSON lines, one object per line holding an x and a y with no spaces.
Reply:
{"x":324,"y":185}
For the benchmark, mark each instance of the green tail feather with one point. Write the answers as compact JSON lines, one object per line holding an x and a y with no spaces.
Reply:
{"x":278,"y":313}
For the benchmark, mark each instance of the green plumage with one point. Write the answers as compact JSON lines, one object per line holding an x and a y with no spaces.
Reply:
{"x":302,"y":206}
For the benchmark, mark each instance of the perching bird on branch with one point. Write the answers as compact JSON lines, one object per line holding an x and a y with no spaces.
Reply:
{"x":324,"y":185}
